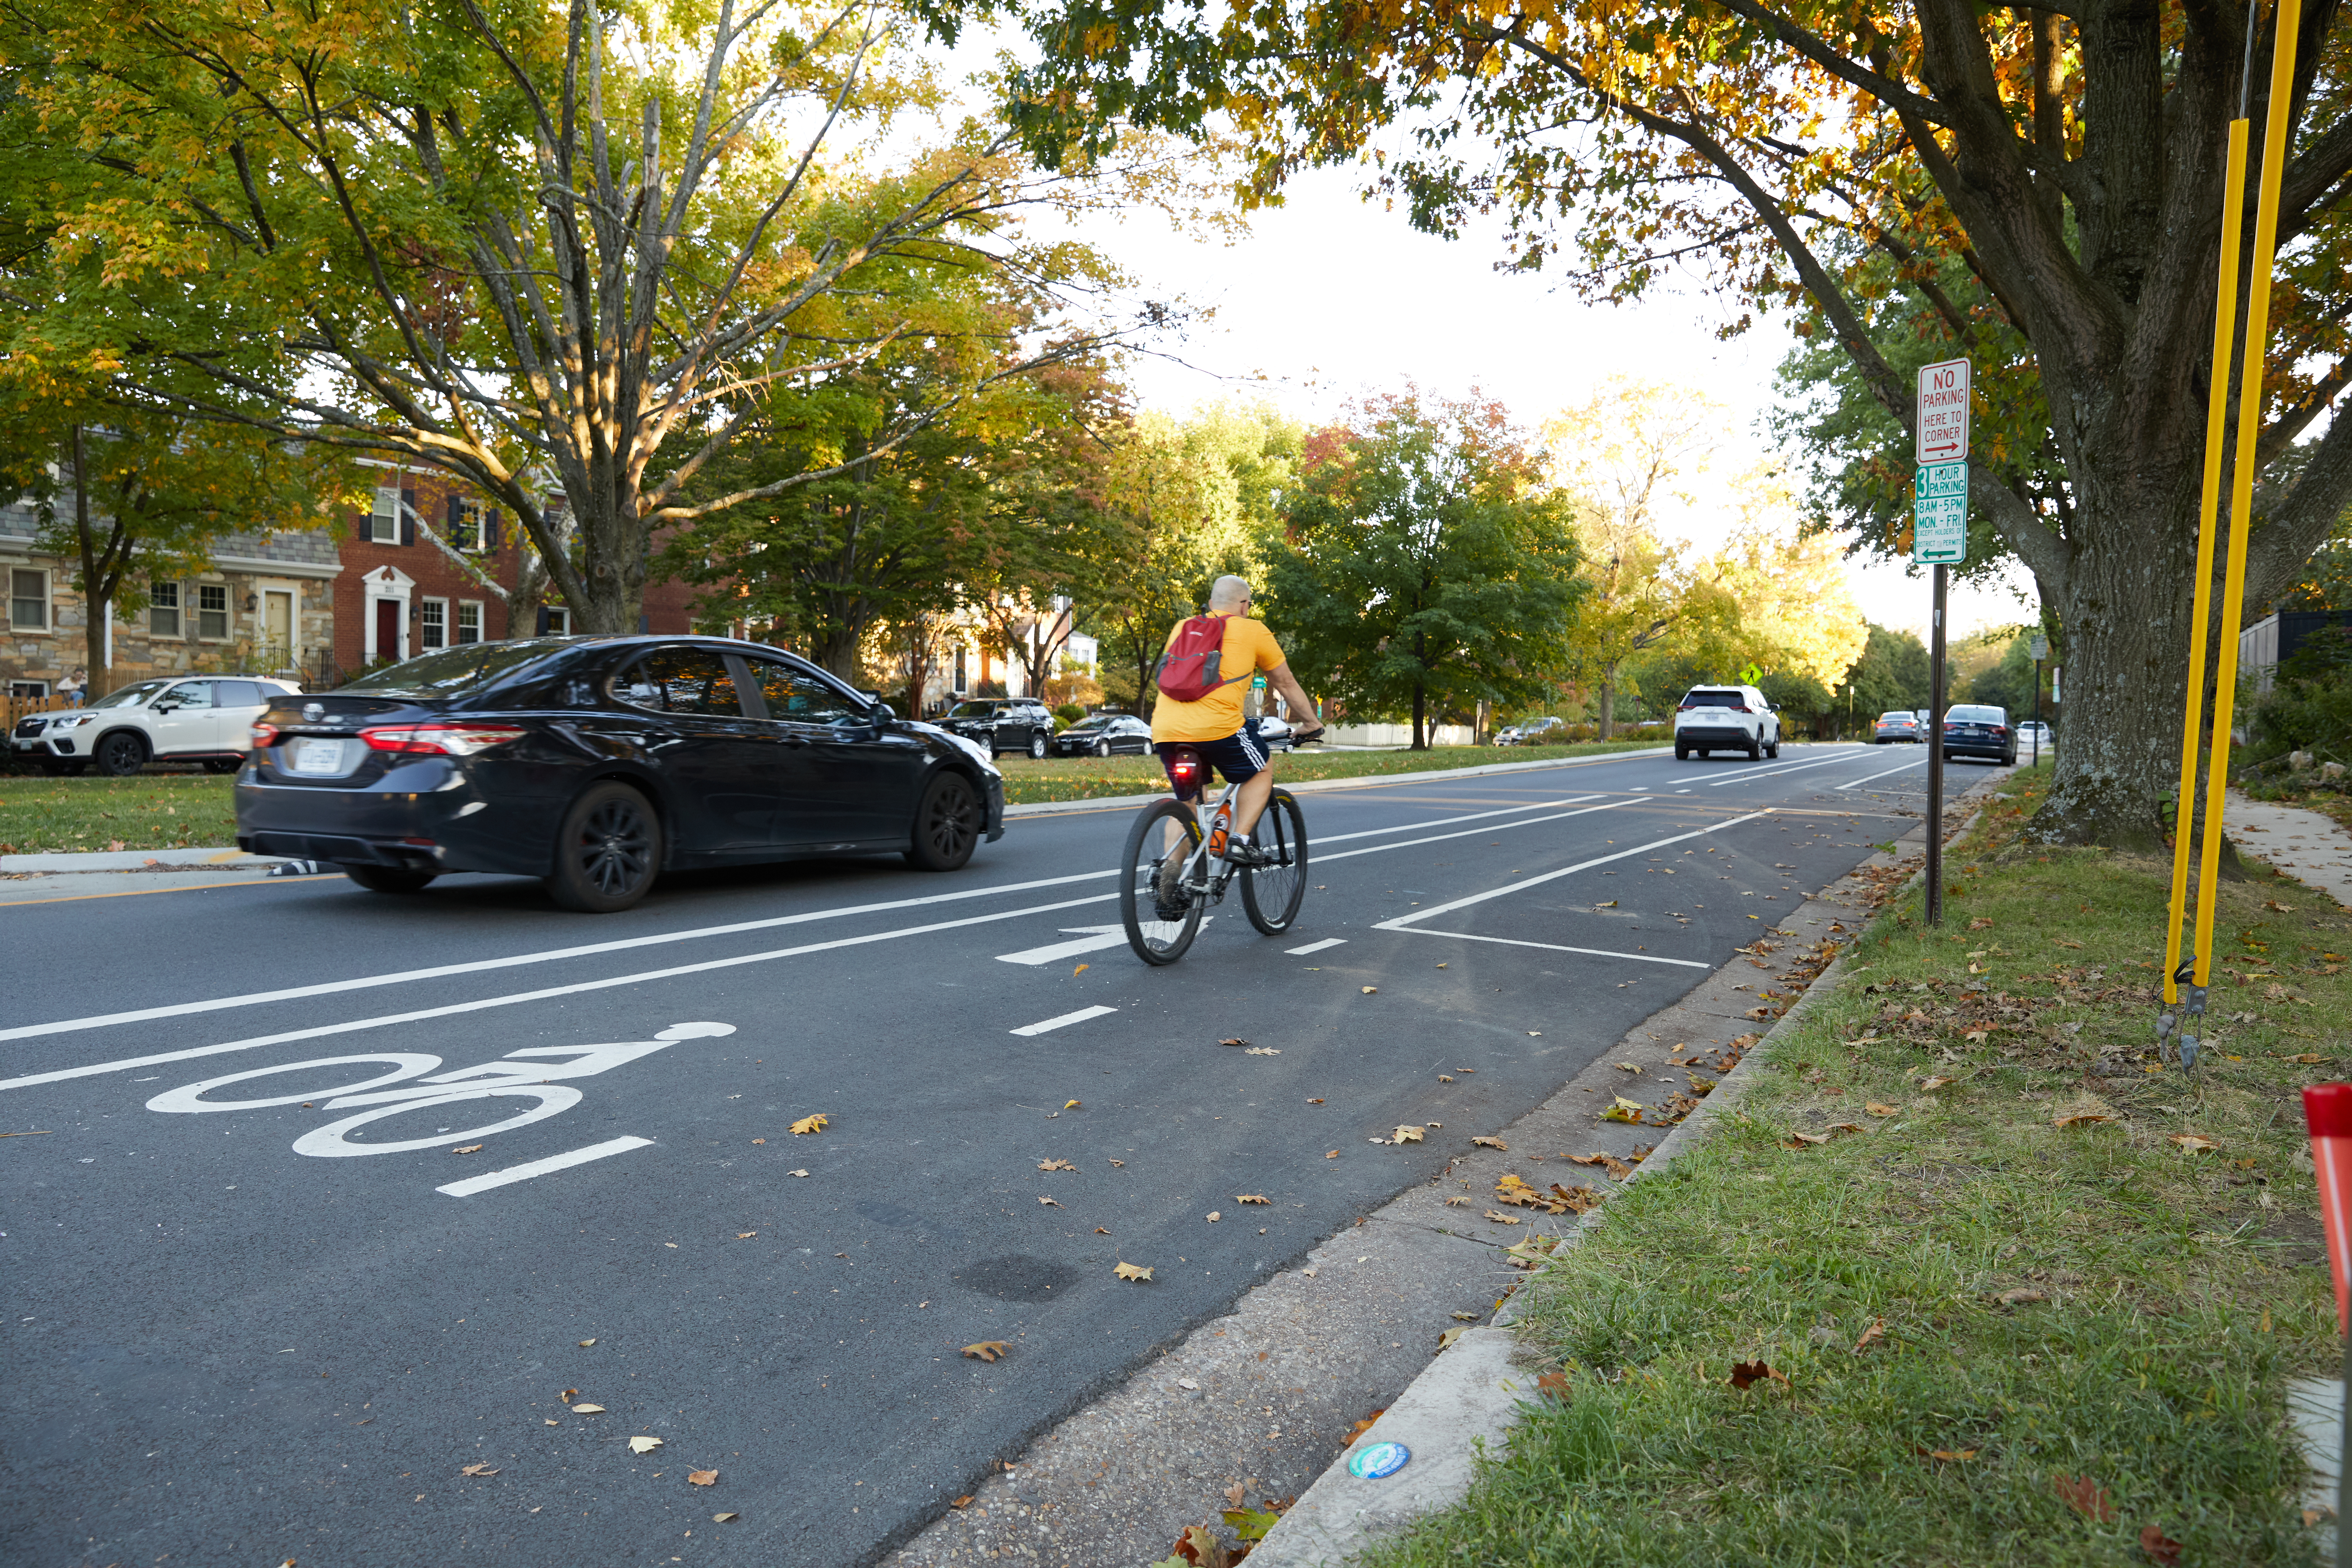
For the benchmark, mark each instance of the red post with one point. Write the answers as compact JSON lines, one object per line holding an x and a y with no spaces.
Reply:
{"x":2327,"y":1112}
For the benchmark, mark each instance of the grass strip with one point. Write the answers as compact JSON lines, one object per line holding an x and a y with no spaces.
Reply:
{"x":2033,"y":1299}
{"x":151,"y":811}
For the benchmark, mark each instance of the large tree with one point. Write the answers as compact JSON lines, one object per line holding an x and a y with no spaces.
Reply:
{"x":2069,"y":155}
{"x":550,"y":251}
{"x":1429,"y":565}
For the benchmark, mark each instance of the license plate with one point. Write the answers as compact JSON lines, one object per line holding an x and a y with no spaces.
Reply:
{"x":318,"y":758}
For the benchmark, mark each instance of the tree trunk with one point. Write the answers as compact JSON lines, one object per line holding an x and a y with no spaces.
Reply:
{"x":1420,"y":707}
{"x":97,"y":601}
{"x":1608,"y":702}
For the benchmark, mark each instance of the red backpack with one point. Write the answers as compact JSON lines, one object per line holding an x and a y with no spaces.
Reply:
{"x":1188,"y":670}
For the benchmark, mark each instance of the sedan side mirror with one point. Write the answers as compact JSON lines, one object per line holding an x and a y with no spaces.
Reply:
{"x":881,"y":712}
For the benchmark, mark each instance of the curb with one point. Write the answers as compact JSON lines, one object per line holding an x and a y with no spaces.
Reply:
{"x":1471,"y":1395}
{"x":205,"y":859}
{"x":1365,"y":780}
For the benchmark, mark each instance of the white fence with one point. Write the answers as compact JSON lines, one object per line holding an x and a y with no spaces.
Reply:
{"x":1401,"y":735}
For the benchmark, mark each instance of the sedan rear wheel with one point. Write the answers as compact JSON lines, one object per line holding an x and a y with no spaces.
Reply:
{"x":947,"y":823}
{"x":608,"y":851}
{"x":121,"y":754}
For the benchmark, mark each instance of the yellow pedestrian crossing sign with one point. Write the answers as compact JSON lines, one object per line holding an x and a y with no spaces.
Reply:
{"x":1752,"y":675}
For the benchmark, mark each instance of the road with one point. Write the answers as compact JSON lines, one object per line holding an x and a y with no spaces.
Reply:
{"x":245,"y":1325}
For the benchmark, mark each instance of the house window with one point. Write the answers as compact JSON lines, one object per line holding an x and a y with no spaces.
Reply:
{"x":383,"y":522}
{"x":163,"y":609}
{"x":470,"y":620}
{"x":433,"y":623}
{"x":28,"y":601}
{"x":556,"y":621}
{"x":211,"y":611}
{"x":29,"y":688}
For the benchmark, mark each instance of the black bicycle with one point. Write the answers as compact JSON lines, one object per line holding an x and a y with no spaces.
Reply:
{"x":1169,"y":887}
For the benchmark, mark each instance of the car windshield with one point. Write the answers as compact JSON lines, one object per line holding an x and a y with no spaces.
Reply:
{"x":1978,"y":715}
{"x":972,"y":710}
{"x":130,"y":695}
{"x":455,"y":671}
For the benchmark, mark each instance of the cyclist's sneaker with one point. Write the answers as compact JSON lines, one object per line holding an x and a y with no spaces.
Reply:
{"x":1241,"y":852}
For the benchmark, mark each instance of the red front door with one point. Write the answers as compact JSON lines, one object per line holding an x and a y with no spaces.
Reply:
{"x":387,"y":628}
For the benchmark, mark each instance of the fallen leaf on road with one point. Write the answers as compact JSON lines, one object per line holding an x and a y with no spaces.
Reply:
{"x":1553,"y":1386}
{"x":1628,"y":1066}
{"x":2086,"y":1497}
{"x":2191,"y":1143}
{"x":1408,"y":1134}
{"x":1744,"y":1372}
{"x":587,"y":1410}
{"x":1049,"y":1202}
{"x":1120,"y":1163}
{"x":1263,"y":1051}
{"x":759,"y":1140}
{"x":1059,"y":1165}
{"x":468,"y":1148}
{"x":585,"y":1344}
{"x":1456,"y":1202}
{"x":1249,"y":1198}
{"x":1100,"y":1231}
{"x":1502,"y":1218}
{"x":1370,"y":990}
{"x":1250,"y":1523}
{"x":1235,"y":1494}
{"x":1201,"y":1548}
{"x":809,"y":1124}
{"x":963,"y":1501}
{"x":2020,"y":1296}
{"x":1445,"y":1341}
{"x":724,"y":1518}
{"x":477,"y":1470}
{"x":1624,"y":1110}
{"x":1130,"y":1271}
{"x":1466,"y":1317}
{"x":795,"y":1173}
{"x":1445,"y":1077}
{"x":551,"y":1422}
{"x":1071,"y":1105}
{"x":1876,"y":1108}
{"x":1233,"y":1042}
{"x":1610,"y":905}
{"x":1491,"y":1143}
{"x":2079,"y":1118}
{"x":1081,"y":969}
{"x":642,"y":1444}
{"x":701,"y":1478}
{"x":745,"y":1235}
{"x":1315,"y":1102}
{"x":1216,"y":1215}
{"x":2159,"y":1547}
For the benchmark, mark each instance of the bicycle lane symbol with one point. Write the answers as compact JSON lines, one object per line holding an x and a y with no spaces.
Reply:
{"x":531,"y":1073}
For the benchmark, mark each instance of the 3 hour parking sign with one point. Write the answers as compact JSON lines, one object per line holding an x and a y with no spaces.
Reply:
{"x":1940,"y":514}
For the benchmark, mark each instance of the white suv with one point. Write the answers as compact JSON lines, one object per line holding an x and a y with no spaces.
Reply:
{"x":1726,"y":718}
{"x":206,"y":718}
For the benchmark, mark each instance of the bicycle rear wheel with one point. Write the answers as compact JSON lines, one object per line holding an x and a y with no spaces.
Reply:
{"x":1271,"y":894}
{"x":1159,"y":929}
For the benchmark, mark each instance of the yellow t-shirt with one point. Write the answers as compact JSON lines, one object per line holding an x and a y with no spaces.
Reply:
{"x":1248,"y":649}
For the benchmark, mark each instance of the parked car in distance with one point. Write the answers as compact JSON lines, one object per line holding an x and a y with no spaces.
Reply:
{"x":203,"y":719}
{"x":1101,"y":734}
{"x":1979,"y":730}
{"x":2034,"y":730}
{"x":595,"y":764}
{"x":1726,"y":718}
{"x":1002,"y":725}
{"x":1897,"y":724}
{"x":1508,"y":735}
{"x":1528,"y":732}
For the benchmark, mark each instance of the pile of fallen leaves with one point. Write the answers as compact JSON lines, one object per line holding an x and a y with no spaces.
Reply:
{"x":1200,"y":1547}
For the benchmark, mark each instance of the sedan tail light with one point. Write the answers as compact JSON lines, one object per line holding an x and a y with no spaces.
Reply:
{"x":264,"y":734}
{"x":444,"y":739}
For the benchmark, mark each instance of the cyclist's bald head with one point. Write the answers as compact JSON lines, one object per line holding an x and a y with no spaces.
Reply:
{"x":1228,"y":595}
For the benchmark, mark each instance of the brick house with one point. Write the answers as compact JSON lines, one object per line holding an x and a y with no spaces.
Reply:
{"x":401,"y":594}
{"x":265,"y":607}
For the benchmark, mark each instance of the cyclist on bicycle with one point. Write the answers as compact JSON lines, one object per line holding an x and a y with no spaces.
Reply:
{"x":1213,"y":729}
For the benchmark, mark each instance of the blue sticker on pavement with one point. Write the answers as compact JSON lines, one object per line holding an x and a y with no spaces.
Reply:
{"x":1379,"y":1461}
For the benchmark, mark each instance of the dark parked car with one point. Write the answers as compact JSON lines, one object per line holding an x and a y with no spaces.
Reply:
{"x":1975,"y":729}
{"x":1002,"y":725}
{"x":1100,"y":734}
{"x":598,"y":763}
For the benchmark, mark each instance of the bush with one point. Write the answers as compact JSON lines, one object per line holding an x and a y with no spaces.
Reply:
{"x":1069,"y":713}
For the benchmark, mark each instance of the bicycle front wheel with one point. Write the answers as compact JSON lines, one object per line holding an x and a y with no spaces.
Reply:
{"x":1272,"y":893}
{"x":1161,"y":917}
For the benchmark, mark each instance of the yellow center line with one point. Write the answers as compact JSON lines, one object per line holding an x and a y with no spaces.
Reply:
{"x":149,"y":892}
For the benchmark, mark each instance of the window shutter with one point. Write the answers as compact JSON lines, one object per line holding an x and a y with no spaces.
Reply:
{"x":408,"y":517}
{"x":644,"y":624}
{"x":489,"y":529}
{"x":542,"y":620}
{"x":454,"y":529}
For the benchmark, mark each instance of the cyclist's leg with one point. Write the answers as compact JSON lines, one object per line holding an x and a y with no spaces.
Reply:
{"x":1257,"y":787}
{"x":1187,"y":774}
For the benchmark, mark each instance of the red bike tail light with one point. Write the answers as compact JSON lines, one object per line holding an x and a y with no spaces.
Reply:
{"x":441,"y":740}
{"x":264,"y":734}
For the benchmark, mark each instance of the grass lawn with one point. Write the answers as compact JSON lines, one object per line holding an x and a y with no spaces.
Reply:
{"x":153,"y":811}
{"x":163,"y":811}
{"x":2042,"y":1299}
{"x":1084,"y":778}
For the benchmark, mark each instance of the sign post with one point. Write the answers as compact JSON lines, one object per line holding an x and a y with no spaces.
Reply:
{"x":1939,"y":536}
{"x":2040,"y":649}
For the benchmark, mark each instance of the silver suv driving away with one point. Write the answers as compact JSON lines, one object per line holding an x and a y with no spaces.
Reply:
{"x":1726,"y":718}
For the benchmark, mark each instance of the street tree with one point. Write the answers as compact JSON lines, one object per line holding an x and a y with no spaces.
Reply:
{"x":2070,"y":157}
{"x":1427,"y":565}
{"x":550,"y":251}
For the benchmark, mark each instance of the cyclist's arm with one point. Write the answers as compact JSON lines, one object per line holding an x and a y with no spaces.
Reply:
{"x":1282,"y":682}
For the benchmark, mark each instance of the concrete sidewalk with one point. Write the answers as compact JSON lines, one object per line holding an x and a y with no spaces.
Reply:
{"x":2303,"y":843}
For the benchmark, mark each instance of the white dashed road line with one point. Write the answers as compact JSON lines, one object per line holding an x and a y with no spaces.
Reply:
{"x":1404,"y":921}
{"x":524,"y":1173}
{"x":1080,"y":1016}
{"x":1087,"y":939}
{"x":1317,"y":946}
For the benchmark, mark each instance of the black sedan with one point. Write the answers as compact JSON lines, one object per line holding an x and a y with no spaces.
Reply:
{"x":1979,"y":730}
{"x":1101,"y":734}
{"x":595,"y":764}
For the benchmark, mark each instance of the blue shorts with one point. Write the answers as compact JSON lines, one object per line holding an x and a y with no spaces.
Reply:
{"x":1240,"y":757}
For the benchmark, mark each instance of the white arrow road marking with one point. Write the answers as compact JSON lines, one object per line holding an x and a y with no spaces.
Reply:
{"x":488,"y":1179}
{"x":1091,"y":939}
{"x":1318,"y":946}
{"x":1080,"y":1016}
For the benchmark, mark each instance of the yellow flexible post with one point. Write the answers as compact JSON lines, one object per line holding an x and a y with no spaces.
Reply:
{"x":2287,"y":18}
{"x":2200,"y":621}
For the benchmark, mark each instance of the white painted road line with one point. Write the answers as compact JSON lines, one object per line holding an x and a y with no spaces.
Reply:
{"x":1080,"y":1016}
{"x":1557,"y":947}
{"x":1914,"y":763}
{"x":524,"y":1173}
{"x":1327,"y":942}
{"x":1403,"y":921}
{"x":1090,"y":939}
{"x":590,"y":950}
{"x":511,"y":998}
{"x":1775,"y":772}
{"x":1315,"y":856}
